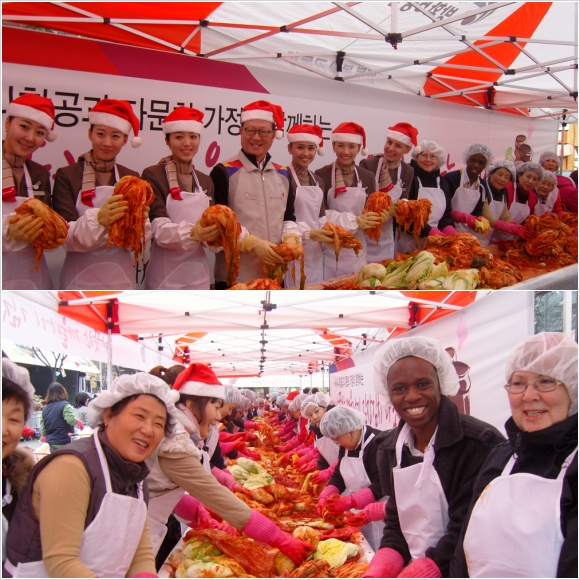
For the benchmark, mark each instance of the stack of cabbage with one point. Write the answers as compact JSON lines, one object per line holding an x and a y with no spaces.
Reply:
{"x":249,"y":474}
{"x":419,"y":272}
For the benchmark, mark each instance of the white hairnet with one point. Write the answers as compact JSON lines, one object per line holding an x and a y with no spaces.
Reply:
{"x":548,"y":155}
{"x":244,"y":404}
{"x":261,"y":401}
{"x":295,"y":403}
{"x":551,"y":176}
{"x":431,"y":147}
{"x":478,"y":148}
{"x":127,"y":385}
{"x":281,"y":400}
{"x":505,"y":164}
{"x":423,"y":347}
{"x":316,"y":400}
{"x":530,"y":166}
{"x":553,"y":354}
{"x":232,"y":394}
{"x":340,"y":421}
{"x":19,"y":376}
{"x":250,"y":395}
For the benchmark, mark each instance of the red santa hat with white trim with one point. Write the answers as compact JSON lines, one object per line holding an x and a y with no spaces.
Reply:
{"x":198,"y":380}
{"x":404,"y":133}
{"x":35,"y":108}
{"x":350,"y":133}
{"x":117,"y":115}
{"x":265,"y":111}
{"x":306,"y":133}
{"x":183,"y":119}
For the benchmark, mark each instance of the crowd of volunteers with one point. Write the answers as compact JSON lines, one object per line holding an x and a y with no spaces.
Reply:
{"x":276,"y":203}
{"x":441,"y":495}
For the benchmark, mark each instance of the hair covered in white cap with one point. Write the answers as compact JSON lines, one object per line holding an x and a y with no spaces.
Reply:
{"x":553,"y":354}
{"x":340,"y":421}
{"x":21,"y":378}
{"x":316,"y":400}
{"x":244,"y":404}
{"x":478,"y":148}
{"x":548,"y":155}
{"x":296,"y":402}
{"x":505,"y":164}
{"x":128,"y":385}
{"x":232,"y":394}
{"x":423,"y":347}
{"x":431,"y":147}
{"x":530,"y":166}
{"x":281,"y":400}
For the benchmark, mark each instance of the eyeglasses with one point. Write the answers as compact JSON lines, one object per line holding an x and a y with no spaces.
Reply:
{"x":428,"y":156}
{"x":545,"y":385}
{"x":251,"y":132}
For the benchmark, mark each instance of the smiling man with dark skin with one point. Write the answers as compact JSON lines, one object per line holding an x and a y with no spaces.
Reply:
{"x":427,"y":464}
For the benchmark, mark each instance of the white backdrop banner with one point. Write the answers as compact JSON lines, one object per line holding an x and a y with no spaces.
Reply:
{"x":479,"y":338}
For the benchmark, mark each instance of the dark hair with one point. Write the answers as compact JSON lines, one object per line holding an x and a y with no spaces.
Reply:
{"x":82,"y":399}
{"x":314,"y":391}
{"x":306,"y":390}
{"x":56,"y":392}
{"x":12,"y":390}
{"x":199,"y":404}
{"x":120,"y":405}
{"x":167,"y":374}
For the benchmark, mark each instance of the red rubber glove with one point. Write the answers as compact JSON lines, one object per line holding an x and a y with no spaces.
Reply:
{"x":287,"y":458}
{"x":324,"y":475}
{"x":448,"y":231}
{"x":340,"y":505}
{"x":386,"y":563}
{"x":307,"y":458}
{"x":514,"y":229}
{"x":375,"y":512}
{"x":229,"y":437}
{"x":229,"y":446}
{"x":241,"y":489}
{"x":421,"y":568}
{"x":145,"y":575}
{"x":27,"y":431}
{"x":323,"y":497}
{"x":309,"y":467}
{"x":463,"y":218}
{"x":435,"y":232}
{"x":205,"y":522}
{"x":80,"y":425}
{"x":250,"y":454}
{"x":261,"y":529}
{"x":251,"y":425}
{"x":224,"y":477}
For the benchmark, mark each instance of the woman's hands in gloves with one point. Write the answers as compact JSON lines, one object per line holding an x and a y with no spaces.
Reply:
{"x":367,"y":220}
{"x":262,"y":249}
{"x":514,"y":229}
{"x":204,"y":234}
{"x":460,"y":217}
{"x":112,"y":210}
{"x":26,"y":229}
{"x":421,"y":568}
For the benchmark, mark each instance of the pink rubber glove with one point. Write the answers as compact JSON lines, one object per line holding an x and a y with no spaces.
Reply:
{"x":375,"y":512}
{"x":308,"y":467}
{"x":145,"y":575}
{"x":206,"y":522}
{"x":324,"y":475}
{"x":435,"y":232}
{"x":229,"y":446}
{"x":187,"y":509}
{"x":224,"y":477}
{"x":80,"y":425}
{"x":463,"y":218}
{"x":363,"y":498}
{"x":290,"y":445}
{"x":307,"y":458}
{"x":250,"y":454}
{"x":44,"y":438}
{"x":251,"y":425}
{"x":513,"y":229}
{"x":421,"y":568}
{"x":340,"y":505}
{"x":323,"y":497}
{"x":386,"y":563}
{"x":261,"y":529}
{"x":448,"y":231}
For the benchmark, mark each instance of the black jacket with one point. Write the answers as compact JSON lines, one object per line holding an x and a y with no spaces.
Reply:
{"x":453,"y":180}
{"x":461,"y":446}
{"x":541,"y":453}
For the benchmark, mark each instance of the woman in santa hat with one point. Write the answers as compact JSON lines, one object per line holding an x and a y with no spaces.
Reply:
{"x":180,"y":483}
{"x":346,"y":187}
{"x":83,"y":195}
{"x":428,"y":157}
{"x":29,"y":124}
{"x":182,"y":193}
{"x":393,"y":177}
{"x":304,"y":142}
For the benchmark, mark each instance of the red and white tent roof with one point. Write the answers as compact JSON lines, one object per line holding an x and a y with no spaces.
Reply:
{"x":521,"y":57}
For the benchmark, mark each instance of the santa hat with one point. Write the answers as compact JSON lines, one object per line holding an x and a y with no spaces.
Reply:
{"x":117,"y":115}
{"x":404,"y":133}
{"x":350,"y":133}
{"x":291,"y":396}
{"x":183,"y":119}
{"x":35,"y":108}
{"x":198,"y":380}
{"x":307,"y":134}
{"x":265,"y":111}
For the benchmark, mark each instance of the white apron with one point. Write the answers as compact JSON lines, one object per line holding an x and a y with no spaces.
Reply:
{"x":327,"y":448}
{"x":18,"y":270}
{"x":385,"y":248}
{"x":406,"y":243}
{"x":464,"y":200}
{"x":307,"y":209}
{"x":541,"y":209}
{"x":173,"y":269}
{"x":101,"y":268}
{"x":352,"y":200}
{"x":111,"y":540}
{"x":6,"y":500}
{"x":421,"y":502}
{"x":527,"y":544}
{"x":355,"y":478}
{"x":496,"y":209}
{"x":159,"y":510}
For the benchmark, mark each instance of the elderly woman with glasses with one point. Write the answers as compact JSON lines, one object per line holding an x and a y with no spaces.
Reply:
{"x":525,"y":504}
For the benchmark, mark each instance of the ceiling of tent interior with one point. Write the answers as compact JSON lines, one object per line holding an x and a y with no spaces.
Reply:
{"x":516,"y":56}
{"x":254,"y":333}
